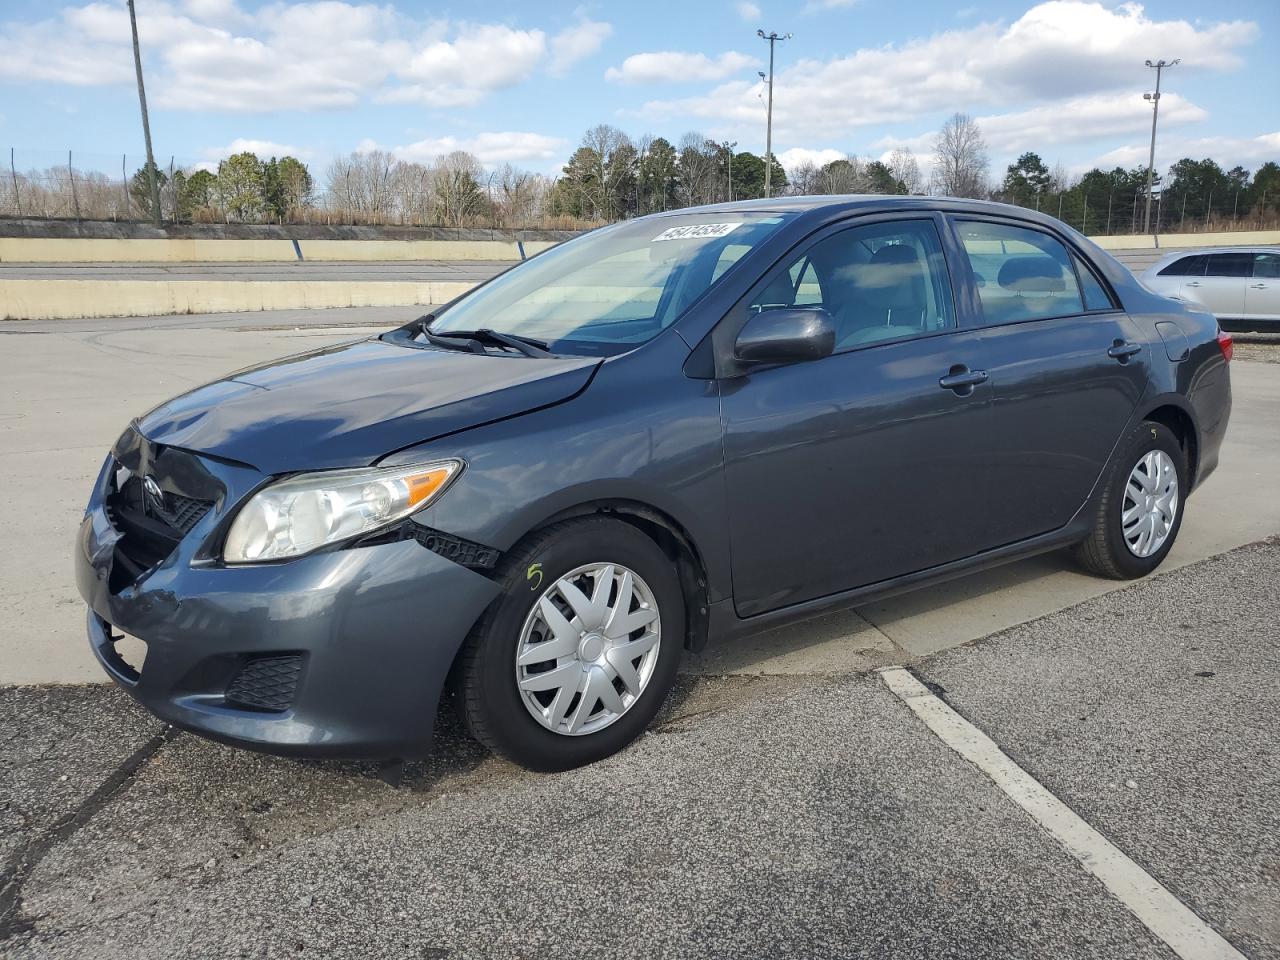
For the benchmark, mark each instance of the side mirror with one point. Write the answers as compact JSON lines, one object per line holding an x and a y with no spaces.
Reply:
{"x":792,"y":335}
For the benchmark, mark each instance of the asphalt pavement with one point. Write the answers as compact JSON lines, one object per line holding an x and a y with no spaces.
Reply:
{"x":68,"y":388}
{"x":768,"y":816}
{"x":786,"y":803}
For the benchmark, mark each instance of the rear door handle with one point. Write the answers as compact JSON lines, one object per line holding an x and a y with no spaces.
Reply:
{"x":962,"y":380}
{"x":1123,"y":351}
{"x":1193,"y":283}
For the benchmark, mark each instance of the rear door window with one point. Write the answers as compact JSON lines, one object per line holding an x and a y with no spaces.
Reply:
{"x":1230,"y":265}
{"x":1267,"y":265}
{"x":1022,"y":274}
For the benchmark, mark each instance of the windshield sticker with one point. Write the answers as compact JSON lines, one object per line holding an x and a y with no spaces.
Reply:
{"x":697,"y":231}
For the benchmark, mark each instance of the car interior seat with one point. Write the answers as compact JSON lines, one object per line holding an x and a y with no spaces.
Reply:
{"x":889,"y":298}
{"x":1029,"y":281}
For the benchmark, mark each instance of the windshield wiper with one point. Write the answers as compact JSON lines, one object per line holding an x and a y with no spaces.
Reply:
{"x":475,"y":341}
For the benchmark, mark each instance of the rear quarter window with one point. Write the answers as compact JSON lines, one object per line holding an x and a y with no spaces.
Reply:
{"x":1095,"y":294}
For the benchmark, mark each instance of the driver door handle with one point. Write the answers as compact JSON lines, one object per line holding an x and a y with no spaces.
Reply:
{"x":1258,"y":286}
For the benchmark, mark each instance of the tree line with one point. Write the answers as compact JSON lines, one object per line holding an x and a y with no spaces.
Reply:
{"x":1196,"y":194}
{"x":611,"y":176}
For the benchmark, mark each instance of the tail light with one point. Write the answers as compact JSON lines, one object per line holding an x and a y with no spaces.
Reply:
{"x":1225,"y":345}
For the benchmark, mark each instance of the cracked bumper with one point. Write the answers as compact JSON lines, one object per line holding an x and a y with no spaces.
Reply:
{"x":375,"y":630}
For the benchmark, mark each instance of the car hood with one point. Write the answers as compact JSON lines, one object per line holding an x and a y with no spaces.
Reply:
{"x":351,"y":404}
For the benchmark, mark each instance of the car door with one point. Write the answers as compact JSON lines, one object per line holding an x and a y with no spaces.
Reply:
{"x":1262,"y":296}
{"x":1221,"y":289}
{"x":1067,"y":369}
{"x":861,"y":466}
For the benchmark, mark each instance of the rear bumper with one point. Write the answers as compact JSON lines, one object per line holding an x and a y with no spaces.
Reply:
{"x":367,"y":636}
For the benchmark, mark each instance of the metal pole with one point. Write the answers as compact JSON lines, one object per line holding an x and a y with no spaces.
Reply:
{"x":71,"y":175}
{"x":1084,"y":224}
{"x":1151,"y":157}
{"x":768,"y":128}
{"x":768,"y":131}
{"x":146,"y":124}
{"x":124,"y":184}
{"x":1110,"y":197}
{"x":1208,"y":211}
{"x":17,"y":194}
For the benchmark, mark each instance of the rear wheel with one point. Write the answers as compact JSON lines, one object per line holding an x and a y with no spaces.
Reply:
{"x":574,"y":659}
{"x":1140,"y":513}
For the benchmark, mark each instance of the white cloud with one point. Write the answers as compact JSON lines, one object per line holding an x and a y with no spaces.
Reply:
{"x":225,"y":55}
{"x":747,"y":11}
{"x":1102,"y":116}
{"x":790,"y":159}
{"x":478,"y":61}
{"x":577,"y":43}
{"x":264,"y":149}
{"x":492,"y":149}
{"x":1056,"y":51}
{"x":1248,"y":152}
{"x":670,"y":66}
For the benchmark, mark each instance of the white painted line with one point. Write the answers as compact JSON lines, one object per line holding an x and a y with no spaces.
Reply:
{"x":1164,"y":914}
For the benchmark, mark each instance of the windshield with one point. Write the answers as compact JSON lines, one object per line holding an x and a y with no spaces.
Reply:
{"x":610,"y":290}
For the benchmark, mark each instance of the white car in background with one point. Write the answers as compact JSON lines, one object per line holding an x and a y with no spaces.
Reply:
{"x":1233,"y":283}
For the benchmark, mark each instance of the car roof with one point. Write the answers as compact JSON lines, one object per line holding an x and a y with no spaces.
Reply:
{"x":824,"y":205}
{"x":1196,"y":251}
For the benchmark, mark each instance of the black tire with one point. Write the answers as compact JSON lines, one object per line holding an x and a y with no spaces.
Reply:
{"x":1104,"y":552}
{"x":488,"y":697}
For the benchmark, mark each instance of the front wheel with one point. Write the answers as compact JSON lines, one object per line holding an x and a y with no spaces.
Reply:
{"x":575,"y":658}
{"x":1140,"y":512}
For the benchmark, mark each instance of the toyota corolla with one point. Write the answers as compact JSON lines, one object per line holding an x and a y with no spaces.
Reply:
{"x":685,"y":427}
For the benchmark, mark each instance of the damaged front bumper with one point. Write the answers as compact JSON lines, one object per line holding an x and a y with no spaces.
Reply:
{"x":342,"y":653}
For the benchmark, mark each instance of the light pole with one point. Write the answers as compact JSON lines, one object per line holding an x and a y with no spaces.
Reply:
{"x":768,"y":128}
{"x":729,"y":150}
{"x":1159,"y":66}
{"x":152,"y":172}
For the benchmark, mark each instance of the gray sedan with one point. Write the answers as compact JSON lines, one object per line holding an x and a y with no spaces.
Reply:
{"x":688,"y":426}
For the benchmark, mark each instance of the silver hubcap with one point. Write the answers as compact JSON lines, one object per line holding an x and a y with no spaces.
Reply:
{"x":588,"y":649}
{"x":1150,"y":503}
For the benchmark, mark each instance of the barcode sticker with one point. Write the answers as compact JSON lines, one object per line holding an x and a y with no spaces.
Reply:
{"x":697,"y":231}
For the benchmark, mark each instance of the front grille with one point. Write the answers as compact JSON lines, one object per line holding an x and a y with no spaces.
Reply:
{"x":150,"y":526}
{"x":181,"y":513}
{"x":266,"y":683}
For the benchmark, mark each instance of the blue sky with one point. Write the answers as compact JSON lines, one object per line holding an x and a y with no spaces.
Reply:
{"x":520,"y":82}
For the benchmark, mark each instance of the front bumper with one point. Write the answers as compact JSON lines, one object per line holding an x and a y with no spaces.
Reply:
{"x":366,"y":634}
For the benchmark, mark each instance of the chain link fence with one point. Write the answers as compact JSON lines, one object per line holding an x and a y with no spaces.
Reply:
{"x":48,"y":185}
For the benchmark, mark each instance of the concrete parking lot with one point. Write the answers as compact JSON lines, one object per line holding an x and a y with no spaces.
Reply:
{"x":787,"y":803}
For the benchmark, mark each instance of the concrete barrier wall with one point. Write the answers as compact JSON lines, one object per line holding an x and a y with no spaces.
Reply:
{"x":205,"y":250}
{"x":80,"y":299}
{"x":1183,"y":241}
{"x":188,"y":250}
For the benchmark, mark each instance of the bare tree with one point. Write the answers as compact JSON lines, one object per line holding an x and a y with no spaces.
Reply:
{"x":960,"y":159}
{"x":458,"y":195}
{"x":803,"y":178}
{"x":902,"y":164}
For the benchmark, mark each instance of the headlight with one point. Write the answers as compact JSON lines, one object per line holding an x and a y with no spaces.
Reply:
{"x":308,"y":511}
